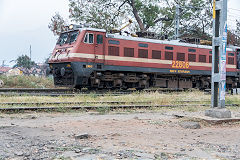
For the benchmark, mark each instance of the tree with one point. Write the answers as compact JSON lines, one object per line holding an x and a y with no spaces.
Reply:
{"x":234,"y":35}
{"x":24,"y":61}
{"x":149,"y":15}
{"x":238,"y":28}
{"x":57,"y":24}
{"x":109,"y":14}
{"x":195,"y":17}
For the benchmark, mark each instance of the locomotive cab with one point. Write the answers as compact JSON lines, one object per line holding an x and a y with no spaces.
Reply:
{"x":76,"y":54}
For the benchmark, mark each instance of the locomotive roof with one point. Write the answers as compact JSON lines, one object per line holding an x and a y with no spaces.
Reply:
{"x":171,"y":42}
{"x":93,"y":29}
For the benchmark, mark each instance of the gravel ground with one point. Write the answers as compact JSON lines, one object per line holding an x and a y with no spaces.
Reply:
{"x":86,"y":136}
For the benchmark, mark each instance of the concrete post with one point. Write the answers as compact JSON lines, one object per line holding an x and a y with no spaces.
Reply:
{"x":218,"y":85}
{"x":177,"y":21}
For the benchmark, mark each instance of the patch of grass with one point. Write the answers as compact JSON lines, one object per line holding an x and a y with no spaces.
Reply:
{"x":26,"y":82}
{"x":103,"y":110}
{"x":152,"y":98}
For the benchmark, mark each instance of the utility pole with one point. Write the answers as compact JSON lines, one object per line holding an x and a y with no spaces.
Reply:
{"x":177,"y":18}
{"x":3,"y":63}
{"x":177,"y":21}
{"x":218,"y":85}
{"x":30,"y":49}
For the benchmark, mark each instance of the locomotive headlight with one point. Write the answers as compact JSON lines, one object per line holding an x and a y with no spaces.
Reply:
{"x":71,"y":26}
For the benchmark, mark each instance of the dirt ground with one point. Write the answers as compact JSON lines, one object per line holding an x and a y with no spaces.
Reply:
{"x":128,"y":135}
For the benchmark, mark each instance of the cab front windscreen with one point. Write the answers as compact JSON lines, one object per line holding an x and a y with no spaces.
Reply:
{"x":68,"y":37}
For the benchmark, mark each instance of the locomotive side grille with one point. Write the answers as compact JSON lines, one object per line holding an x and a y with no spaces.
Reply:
{"x":156,"y":54}
{"x":192,"y":57}
{"x":181,"y":56}
{"x":210,"y":59}
{"x":202,"y":58}
{"x":143,"y":53}
{"x":129,"y":52}
{"x":113,"y":51}
{"x":168,"y":55}
{"x":230,"y":60}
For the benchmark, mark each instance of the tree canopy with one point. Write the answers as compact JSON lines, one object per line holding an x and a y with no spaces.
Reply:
{"x":24,"y":61}
{"x":147,"y":15}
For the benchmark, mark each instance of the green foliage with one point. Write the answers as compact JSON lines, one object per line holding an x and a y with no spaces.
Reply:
{"x":97,"y":13}
{"x":150,"y":15}
{"x":57,"y":24}
{"x":195,"y":18}
{"x":149,"y":12}
{"x":24,"y":61}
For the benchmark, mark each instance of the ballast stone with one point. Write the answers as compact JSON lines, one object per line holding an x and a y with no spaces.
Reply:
{"x":190,"y":125}
{"x":218,"y":113}
{"x":82,"y":136}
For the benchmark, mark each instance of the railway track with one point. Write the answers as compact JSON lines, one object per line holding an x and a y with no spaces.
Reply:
{"x":60,"y":94}
{"x":112,"y":107}
{"x":66,"y":103}
{"x":35,"y":90}
{"x":55,"y":92}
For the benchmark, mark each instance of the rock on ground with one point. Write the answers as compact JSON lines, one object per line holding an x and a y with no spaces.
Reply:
{"x":190,"y":125}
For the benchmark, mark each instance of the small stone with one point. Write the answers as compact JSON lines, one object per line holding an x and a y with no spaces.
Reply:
{"x":182,"y":149}
{"x":82,"y":136}
{"x":77,"y":150}
{"x":116,"y":134}
{"x":34,"y":117}
{"x":8,"y":146}
{"x":190,"y":125}
{"x":136,"y":118}
{"x":27,"y":154}
{"x":19,"y":153}
{"x":144,"y":155}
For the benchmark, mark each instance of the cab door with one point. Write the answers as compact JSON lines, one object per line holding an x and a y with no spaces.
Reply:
{"x":99,"y":47}
{"x":238,"y":58}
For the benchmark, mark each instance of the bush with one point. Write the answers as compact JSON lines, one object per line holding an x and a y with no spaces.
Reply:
{"x":26,"y":82}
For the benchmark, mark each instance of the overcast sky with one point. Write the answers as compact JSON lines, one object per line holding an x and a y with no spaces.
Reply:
{"x":25,"y":22}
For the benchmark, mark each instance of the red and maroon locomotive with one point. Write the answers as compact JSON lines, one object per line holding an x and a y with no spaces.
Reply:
{"x":87,"y":57}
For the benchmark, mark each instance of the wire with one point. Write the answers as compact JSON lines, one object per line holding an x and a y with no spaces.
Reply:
{"x":234,"y":9}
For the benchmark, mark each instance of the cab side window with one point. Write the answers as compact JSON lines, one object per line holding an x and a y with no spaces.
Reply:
{"x":99,"y":39}
{"x":89,"y":38}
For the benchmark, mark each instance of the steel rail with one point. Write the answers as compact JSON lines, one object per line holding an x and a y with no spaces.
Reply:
{"x":92,"y":102}
{"x":64,"y":90}
{"x":67,"y":103}
{"x":37,"y":90}
{"x":61,"y":94}
{"x":104,"y":107}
